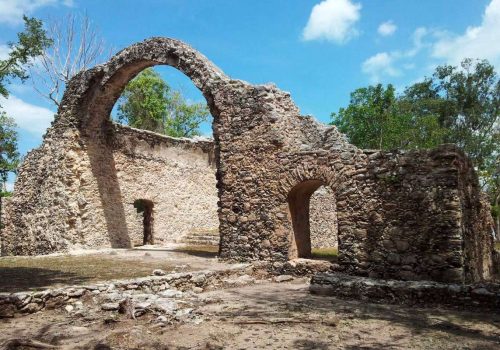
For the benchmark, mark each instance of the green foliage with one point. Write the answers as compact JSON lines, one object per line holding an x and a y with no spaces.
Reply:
{"x":148,"y":102}
{"x":455,"y":105}
{"x":9,"y":156}
{"x":31,"y":43}
{"x":467,"y":103}
{"x":377,"y":118}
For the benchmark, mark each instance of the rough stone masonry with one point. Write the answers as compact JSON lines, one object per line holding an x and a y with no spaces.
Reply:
{"x":415,"y":215}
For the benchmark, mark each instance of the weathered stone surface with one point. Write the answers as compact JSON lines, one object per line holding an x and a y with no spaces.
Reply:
{"x":426,"y":293}
{"x":7,"y":310}
{"x":143,"y":290}
{"x":283,"y":278}
{"x":269,"y":160}
{"x":110,"y":306}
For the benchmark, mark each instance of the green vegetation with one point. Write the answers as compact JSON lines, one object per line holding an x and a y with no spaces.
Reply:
{"x":149,"y":103}
{"x":330,"y":254}
{"x":206,"y":251}
{"x":9,"y":156}
{"x":377,"y":118}
{"x":459,"y":105}
{"x":31,"y":43}
{"x":35,"y":273}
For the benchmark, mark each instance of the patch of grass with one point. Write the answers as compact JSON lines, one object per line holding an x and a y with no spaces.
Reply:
{"x":330,"y":254}
{"x":36,"y":273}
{"x":205,"y":251}
{"x":497,"y":246}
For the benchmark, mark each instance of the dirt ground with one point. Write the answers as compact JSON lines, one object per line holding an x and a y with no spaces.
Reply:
{"x":264,"y":316}
{"x":87,"y":267}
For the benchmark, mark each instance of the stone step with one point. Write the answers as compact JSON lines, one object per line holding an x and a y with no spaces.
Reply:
{"x":196,"y":242}
{"x":216,"y":238}
{"x":201,"y":238}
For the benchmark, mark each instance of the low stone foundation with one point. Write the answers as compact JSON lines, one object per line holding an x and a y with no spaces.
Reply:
{"x":422,"y":293}
{"x":110,"y":293}
{"x":12,"y":304}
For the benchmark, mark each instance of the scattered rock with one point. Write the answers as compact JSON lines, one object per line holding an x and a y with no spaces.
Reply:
{"x":159,"y":272}
{"x":110,"y":306}
{"x":7,"y":310}
{"x":239,"y":281}
{"x":170,"y":293}
{"x":31,"y":308}
{"x":283,"y":278}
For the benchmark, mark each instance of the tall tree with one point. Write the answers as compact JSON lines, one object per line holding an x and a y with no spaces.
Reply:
{"x":458,"y":105}
{"x":31,"y":43}
{"x":77,"y":46}
{"x":9,"y":156}
{"x":148,"y":102}
{"x":377,"y":118}
{"x":467,"y":103}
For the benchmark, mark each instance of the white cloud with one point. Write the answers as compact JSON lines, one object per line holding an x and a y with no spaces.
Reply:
{"x":4,"y":52}
{"x":379,"y":65}
{"x":9,"y":186}
{"x":12,"y":11}
{"x":333,"y":20}
{"x":387,"y":28}
{"x":433,"y":47}
{"x":477,"y":42}
{"x":392,"y":64}
{"x":34,"y":119}
{"x":418,"y":41}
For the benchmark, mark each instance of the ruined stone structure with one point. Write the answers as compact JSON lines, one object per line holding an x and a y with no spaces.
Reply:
{"x":323,"y":218}
{"x":415,"y":215}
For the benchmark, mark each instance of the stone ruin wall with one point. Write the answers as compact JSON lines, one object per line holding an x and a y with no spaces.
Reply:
{"x":323,"y":217}
{"x":177,"y":175}
{"x":417,"y":225}
{"x":414,"y":215}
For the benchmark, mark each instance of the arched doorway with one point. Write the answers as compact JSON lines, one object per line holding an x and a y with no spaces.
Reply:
{"x":109,"y":147}
{"x":144,"y":207}
{"x":314,"y":220}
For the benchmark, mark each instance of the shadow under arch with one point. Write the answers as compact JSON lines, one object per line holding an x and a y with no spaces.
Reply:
{"x":299,"y":203}
{"x":297,"y":188}
{"x":89,"y":99}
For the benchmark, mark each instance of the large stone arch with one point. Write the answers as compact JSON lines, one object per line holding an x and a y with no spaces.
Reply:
{"x":91,"y":95}
{"x":303,"y":178}
{"x":79,"y":149}
{"x":306,"y":181}
{"x":401,"y":215}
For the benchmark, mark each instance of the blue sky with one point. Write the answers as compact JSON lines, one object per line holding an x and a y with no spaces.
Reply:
{"x":319,"y":51}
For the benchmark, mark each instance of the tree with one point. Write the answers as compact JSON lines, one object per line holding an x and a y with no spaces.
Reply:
{"x":31,"y":43}
{"x":148,"y":102}
{"x":9,"y":156}
{"x":377,"y":118}
{"x":455,"y":105}
{"x":467,"y":103}
{"x":77,"y":46}
{"x":184,"y":119}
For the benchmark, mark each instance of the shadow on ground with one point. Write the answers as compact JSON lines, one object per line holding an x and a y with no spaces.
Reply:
{"x":14,"y":279}
{"x":366,"y":321}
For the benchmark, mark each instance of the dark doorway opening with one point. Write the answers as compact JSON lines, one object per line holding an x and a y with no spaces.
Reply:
{"x":145,"y":207}
{"x":325,"y":243}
